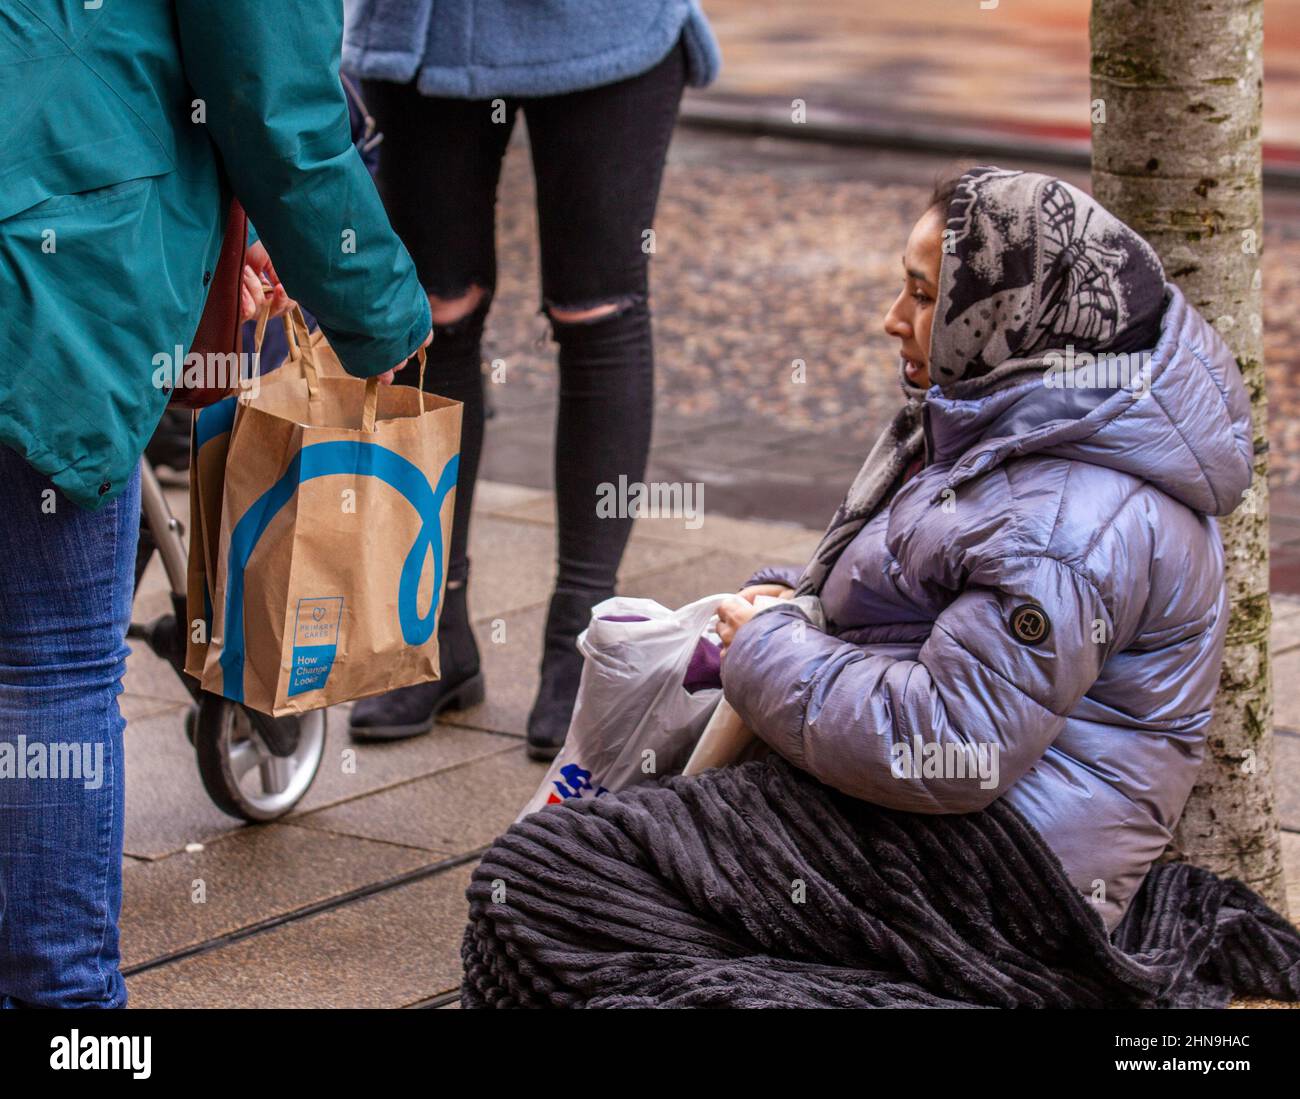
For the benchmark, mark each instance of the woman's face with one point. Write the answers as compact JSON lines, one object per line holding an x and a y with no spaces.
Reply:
{"x":910,"y":317}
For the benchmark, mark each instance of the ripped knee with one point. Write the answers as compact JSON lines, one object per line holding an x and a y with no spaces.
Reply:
{"x":589,"y":313}
{"x":447,"y":311}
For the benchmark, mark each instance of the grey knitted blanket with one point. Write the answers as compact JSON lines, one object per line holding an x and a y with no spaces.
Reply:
{"x":756,"y":886}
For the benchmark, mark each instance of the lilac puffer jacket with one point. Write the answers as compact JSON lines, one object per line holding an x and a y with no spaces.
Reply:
{"x":1047,"y":595}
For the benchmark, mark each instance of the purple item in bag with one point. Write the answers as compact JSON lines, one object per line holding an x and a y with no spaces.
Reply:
{"x":705,"y":667}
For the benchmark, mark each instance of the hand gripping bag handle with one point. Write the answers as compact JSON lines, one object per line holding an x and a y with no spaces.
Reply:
{"x":371,"y":408}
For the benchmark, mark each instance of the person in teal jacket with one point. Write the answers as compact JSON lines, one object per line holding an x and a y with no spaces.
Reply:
{"x":123,"y":131}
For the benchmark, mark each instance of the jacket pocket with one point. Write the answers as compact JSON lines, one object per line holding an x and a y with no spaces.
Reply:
{"x":60,"y":162}
{"x":82,"y":202}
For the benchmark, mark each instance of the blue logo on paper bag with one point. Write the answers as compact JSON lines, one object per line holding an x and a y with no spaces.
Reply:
{"x":216,"y":419}
{"x":315,"y":643}
{"x":210,"y":423}
{"x":358,"y":460}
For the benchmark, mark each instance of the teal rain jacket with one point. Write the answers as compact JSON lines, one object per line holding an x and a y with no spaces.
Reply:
{"x":116,"y":116}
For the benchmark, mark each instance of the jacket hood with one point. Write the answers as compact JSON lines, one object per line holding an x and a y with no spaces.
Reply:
{"x":1183,"y":426}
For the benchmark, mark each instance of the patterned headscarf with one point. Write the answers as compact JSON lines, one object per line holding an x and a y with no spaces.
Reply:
{"x":1030,"y":266}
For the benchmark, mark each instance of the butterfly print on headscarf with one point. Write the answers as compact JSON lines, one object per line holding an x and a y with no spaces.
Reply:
{"x":1079,"y":296}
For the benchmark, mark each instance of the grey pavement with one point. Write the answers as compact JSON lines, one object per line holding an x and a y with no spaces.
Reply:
{"x":356,"y":899}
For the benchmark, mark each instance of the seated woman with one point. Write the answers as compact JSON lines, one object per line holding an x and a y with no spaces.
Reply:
{"x":1027,"y":566}
{"x":1019,"y":608}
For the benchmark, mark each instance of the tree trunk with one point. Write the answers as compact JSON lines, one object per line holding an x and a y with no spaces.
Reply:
{"x":1177,"y":91}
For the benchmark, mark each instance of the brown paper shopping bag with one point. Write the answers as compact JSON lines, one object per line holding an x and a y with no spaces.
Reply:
{"x":335,"y":526}
{"x":209,"y":440}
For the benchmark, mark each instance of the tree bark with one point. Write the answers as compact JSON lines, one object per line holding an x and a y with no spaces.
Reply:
{"x":1177,"y":92}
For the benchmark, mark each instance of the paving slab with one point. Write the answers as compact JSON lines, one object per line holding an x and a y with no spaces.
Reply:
{"x":510,"y":647}
{"x":167,"y":807}
{"x":1286,"y":699}
{"x":1285,"y":631}
{"x":513,"y":563}
{"x":152,"y":596}
{"x":715,"y":532}
{"x":379,"y":765}
{"x":150,"y":676}
{"x":449,"y":813}
{"x":1286,"y":783}
{"x":390,"y":950}
{"x":500,"y":498}
{"x":138,"y":707}
{"x":253,"y":875}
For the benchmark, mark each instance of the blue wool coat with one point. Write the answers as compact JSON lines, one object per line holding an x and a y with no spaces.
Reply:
{"x":479,"y":49}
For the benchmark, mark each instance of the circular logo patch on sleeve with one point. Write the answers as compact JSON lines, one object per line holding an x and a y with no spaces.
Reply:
{"x":1030,"y":624}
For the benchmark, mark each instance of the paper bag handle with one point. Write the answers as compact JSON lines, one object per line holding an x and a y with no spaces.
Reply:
{"x":370,"y":409}
{"x":259,"y":333}
{"x":298,"y":336}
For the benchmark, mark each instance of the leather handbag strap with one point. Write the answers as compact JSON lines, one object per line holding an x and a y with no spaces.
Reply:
{"x":219,"y":326}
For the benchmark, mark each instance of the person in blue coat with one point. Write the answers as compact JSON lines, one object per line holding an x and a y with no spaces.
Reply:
{"x":124,"y":129}
{"x":599,"y":83}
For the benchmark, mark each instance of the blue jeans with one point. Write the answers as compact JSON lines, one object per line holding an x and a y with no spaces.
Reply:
{"x":66,"y":582}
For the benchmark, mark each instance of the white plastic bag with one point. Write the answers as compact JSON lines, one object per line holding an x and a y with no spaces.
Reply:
{"x":634,"y":720}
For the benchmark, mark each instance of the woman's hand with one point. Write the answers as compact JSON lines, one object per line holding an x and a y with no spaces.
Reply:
{"x":734,"y":612}
{"x":387,"y":377}
{"x":260,"y":285}
{"x":773,"y":591}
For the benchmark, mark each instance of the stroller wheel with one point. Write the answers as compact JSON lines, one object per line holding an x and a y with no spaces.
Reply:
{"x":240,"y":773}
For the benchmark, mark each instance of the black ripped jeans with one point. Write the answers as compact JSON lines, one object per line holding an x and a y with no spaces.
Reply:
{"x":598,"y":158}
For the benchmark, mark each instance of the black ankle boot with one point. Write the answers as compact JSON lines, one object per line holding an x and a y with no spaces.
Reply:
{"x":548,"y":722}
{"x":410,"y":711}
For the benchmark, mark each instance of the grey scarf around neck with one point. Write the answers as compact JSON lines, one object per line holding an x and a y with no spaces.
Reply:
{"x":1031,"y":267}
